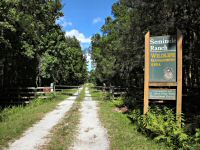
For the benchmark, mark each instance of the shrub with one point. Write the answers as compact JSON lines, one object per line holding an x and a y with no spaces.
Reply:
{"x":197,"y":136}
{"x":138,"y":119}
{"x":131,"y":102}
{"x":119,"y":102}
{"x":160,"y":124}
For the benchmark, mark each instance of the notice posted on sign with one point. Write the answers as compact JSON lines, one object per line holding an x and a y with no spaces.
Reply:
{"x":163,"y":94}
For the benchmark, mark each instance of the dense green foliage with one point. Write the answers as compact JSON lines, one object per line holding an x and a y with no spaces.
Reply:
{"x":63,"y":62}
{"x":118,"y":53}
{"x":33,"y":48}
{"x":160,"y":124}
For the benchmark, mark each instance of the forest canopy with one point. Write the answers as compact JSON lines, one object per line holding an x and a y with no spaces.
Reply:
{"x":118,"y":52}
{"x":33,"y":48}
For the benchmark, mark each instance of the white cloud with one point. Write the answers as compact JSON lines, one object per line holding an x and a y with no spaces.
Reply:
{"x":88,"y":58}
{"x":67,"y":24}
{"x":97,"y":20}
{"x":80,"y":36}
{"x":89,"y":61}
{"x":61,"y":21}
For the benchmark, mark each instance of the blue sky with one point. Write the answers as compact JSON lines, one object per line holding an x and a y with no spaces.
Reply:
{"x":84,"y":18}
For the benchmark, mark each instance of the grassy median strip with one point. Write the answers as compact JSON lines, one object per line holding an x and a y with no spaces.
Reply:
{"x":14,"y":121}
{"x":63,"y":135}
{"x":122,"y":133}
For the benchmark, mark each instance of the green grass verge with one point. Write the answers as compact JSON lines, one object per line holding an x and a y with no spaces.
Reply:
{"x":122,"y":133}
{"x":14,"y":121}
{"x":63,"y":134}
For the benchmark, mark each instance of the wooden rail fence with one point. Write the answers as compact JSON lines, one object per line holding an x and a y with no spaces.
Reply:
{"x":114,"y":91}
{"x":25,"y":94}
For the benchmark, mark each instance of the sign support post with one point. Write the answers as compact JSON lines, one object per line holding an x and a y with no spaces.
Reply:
{"x":146,"y":79}
{"x":179,"y":77}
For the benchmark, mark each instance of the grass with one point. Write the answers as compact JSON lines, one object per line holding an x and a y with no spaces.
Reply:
{"x":122,"y":132}
{"x":14,"y":121}
{"x":63,"y":134}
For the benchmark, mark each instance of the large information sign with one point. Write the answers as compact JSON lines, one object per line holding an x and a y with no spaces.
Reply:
{"x":163,"y":70}
{"x":163,"y":59}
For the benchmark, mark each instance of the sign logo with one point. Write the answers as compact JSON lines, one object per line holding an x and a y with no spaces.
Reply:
{"x":168,"y":73}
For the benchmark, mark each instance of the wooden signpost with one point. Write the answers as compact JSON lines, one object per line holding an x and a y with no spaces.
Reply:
{"x":163,"y":70}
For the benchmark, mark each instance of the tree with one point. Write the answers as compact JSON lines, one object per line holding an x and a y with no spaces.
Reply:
{"x":29,"y":35}
{"x":120,"y":48}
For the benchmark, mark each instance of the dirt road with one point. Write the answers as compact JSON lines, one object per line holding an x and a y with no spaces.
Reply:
{"x":91,"y":136}
{"x":34,"y":137}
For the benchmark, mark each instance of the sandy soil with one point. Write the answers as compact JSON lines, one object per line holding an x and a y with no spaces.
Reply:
{"x":34,"y":137}
{"x":91,"y":136}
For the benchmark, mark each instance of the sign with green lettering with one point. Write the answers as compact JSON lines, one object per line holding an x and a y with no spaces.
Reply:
{"x":163,"y":59}
{"x":163,"y":94}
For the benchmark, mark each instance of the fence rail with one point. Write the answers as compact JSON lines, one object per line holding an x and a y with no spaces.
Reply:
{"x":114,"y":91}
{"x":26,"y":94}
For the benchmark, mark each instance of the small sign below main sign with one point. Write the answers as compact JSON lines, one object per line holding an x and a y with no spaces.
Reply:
{"x":163,"y":59}
{"x":162,"y":94}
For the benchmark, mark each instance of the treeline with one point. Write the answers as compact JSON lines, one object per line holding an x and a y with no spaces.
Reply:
{"x":118,"y":53}
{"x":33,"y":48}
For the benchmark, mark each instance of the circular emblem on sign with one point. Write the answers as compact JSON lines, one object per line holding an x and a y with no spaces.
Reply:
{"x":168,"y":73}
